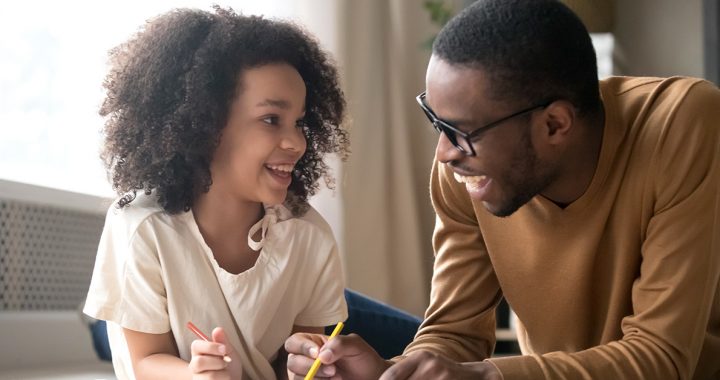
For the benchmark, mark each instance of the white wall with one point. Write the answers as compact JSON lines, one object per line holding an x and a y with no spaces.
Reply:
{"x":658,"y":38}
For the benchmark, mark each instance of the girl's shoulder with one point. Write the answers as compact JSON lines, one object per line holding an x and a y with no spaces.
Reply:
{"x":311,"y":224}
{"x":314,"y":220}
{"x":140,"y":213}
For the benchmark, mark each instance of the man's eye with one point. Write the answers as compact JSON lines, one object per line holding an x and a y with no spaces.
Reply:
{"x":477,"y":137}
{"x":273,"y":120}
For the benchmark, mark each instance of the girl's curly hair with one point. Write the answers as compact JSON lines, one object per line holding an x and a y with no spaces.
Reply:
{"x":169,"y":90}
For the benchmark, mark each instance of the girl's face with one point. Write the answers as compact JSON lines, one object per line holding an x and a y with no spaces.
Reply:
{"x":263,"y":139}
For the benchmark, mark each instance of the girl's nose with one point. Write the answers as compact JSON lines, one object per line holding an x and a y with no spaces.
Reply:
{"x":294,"y":140}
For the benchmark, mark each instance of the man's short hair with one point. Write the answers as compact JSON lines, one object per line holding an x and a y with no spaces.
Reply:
{"x":533,"y":50}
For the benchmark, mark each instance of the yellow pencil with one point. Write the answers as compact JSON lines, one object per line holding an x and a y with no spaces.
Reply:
{"x":316,"y":365}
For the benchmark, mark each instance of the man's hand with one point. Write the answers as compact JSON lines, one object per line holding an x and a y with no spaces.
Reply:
{"x":207,"y":358}
{"x":428,"y":365}
{"x":344,"y":357}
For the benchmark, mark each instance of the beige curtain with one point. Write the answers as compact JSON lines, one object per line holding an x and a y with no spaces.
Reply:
{"x":388,"y":217}
{"x":385,"y":218}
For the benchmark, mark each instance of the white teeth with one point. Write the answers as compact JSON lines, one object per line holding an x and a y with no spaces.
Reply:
{"x":283,"y":168}
{"x":469,"y":179}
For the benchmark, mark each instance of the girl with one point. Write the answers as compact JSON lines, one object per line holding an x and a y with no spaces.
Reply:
{"x":220,"y":122}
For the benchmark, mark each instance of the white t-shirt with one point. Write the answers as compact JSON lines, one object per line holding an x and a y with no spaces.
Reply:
{"x":154,"y":273}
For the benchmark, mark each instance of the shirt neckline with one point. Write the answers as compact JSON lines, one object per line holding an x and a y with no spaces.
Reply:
{"x":281,"y":213}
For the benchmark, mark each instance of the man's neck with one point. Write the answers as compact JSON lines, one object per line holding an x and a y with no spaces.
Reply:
{"x":580,"y":162}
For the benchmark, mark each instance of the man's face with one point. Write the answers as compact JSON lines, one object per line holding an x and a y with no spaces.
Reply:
{"x":506,"y":171}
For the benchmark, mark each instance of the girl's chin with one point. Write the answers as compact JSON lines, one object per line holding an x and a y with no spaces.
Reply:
{"x":274,"y":197}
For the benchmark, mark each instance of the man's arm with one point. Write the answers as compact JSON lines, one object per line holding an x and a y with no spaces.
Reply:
{"x":460,"y":320}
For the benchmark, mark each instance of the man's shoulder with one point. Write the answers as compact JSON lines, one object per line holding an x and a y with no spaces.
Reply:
{"x":623,"y":85}
{"x":650,"y":107}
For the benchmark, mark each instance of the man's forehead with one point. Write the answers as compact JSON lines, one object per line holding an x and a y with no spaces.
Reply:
{"x":445,"y":76}
{"x":453,"y":83}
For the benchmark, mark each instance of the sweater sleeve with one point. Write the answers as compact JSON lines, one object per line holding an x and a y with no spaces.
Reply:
{"x":460,"y":320}
{"x":674,"y":293}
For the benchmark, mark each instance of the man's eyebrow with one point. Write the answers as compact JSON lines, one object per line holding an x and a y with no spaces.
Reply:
{"x":278,"y":103}
{"x":456,"y":122}
{"x":460,"y":121}
{"x":453,"y":122}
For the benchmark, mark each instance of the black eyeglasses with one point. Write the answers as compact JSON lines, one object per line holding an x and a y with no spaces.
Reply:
{"x":452,"y":133}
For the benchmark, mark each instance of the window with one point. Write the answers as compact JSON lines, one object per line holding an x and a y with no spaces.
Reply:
{"x":603,"y":43}
{"x":52,"y":65}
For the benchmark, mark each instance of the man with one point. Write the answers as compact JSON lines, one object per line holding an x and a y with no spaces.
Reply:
{"x":593,"y":208}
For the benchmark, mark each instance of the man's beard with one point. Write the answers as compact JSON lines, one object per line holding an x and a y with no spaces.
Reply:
{"x":528,"y":183}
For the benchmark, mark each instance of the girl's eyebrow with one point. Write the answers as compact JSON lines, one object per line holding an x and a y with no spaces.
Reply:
{"x":278,"y":103}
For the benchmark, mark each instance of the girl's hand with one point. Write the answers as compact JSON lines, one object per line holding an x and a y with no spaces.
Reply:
{"x":208,"y":358}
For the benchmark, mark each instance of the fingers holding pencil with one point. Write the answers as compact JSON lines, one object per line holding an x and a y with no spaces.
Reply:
{"x":316,"y":364}
{"x":303,"y":349}
{"x":213,"y":355}
{"x":220,"y":350}
{"x":345,"y":356}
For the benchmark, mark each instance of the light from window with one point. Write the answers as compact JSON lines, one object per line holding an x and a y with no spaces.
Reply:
{"x":51,"y":69}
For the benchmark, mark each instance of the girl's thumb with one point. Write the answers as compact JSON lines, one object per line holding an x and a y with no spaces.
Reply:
{"x":219,"y":336}
{"x":234,"y":365}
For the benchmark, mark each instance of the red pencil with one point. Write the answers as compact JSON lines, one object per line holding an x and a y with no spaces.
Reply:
{"x":204,"y":337}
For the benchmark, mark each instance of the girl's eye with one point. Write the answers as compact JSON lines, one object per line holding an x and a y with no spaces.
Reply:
{"x":300,"y":123}
{"x":272,"y":120}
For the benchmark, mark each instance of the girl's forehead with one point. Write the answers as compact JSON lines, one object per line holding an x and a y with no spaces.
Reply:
{"x":270,"y":88}
{"x":271,"y":81}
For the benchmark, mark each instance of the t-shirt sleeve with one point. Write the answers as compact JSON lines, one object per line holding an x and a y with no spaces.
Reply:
{"x":327,"y":305}
{"x":127,"y":285}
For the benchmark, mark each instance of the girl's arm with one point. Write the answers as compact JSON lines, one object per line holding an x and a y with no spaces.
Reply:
{"x":155,"y":356}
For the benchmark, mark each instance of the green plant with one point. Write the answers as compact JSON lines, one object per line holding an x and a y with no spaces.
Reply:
{"x":440,"y":12}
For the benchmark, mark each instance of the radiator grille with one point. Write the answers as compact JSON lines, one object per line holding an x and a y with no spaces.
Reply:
{"x":47,"y":255}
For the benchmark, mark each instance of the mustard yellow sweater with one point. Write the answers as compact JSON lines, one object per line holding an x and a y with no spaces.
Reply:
{"x":622,"y":283}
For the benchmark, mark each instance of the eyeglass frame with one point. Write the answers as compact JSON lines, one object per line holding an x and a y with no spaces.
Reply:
{"x":441,"y":125}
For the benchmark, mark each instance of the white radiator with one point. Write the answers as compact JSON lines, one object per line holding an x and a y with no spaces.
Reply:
{"x":48,"y":241}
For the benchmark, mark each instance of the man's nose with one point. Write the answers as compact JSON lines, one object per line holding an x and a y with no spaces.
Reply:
{"x":445,"y":150}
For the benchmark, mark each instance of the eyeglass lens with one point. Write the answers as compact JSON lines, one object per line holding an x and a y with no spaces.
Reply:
{"x":440,"y":127}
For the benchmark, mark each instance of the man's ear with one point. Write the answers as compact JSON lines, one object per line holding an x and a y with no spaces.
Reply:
{"x":559,"y":120}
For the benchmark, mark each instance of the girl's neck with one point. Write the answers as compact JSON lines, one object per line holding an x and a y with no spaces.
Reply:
{"x":219,"y":212}
{"x":224,"y":223}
